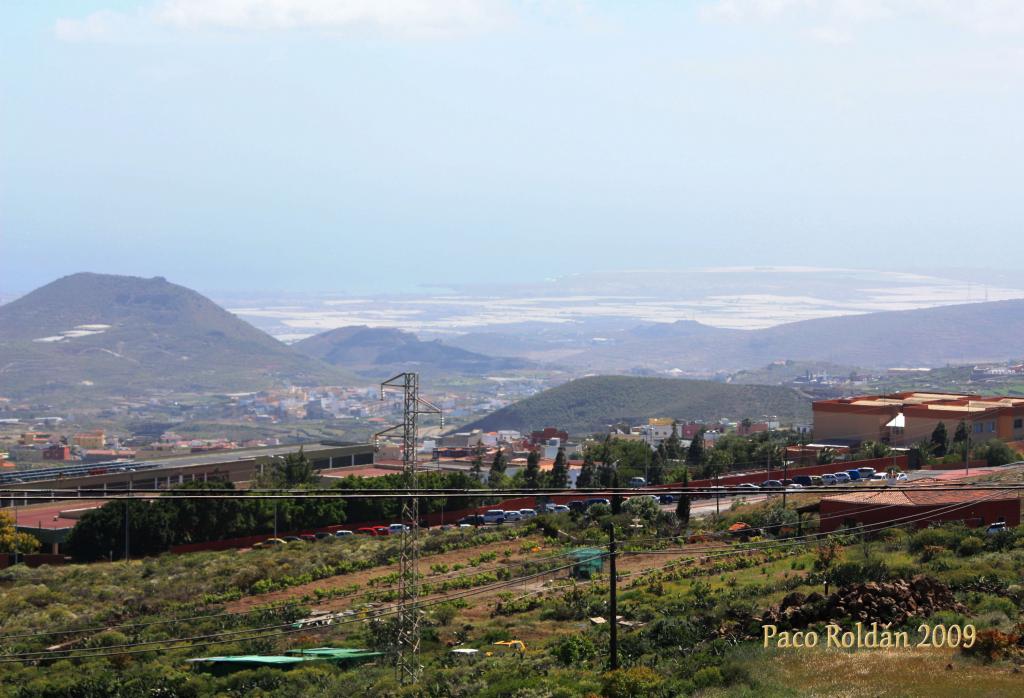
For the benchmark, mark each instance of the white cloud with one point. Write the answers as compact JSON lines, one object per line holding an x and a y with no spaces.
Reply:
{"x":417,"y":18}
{"x":836,"y":21}
{"x":99,"y":26}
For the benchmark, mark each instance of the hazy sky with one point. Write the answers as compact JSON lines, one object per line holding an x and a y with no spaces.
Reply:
{"x":355,"y":145}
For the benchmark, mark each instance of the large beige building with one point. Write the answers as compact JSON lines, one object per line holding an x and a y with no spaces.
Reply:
{"x":903,"y":419}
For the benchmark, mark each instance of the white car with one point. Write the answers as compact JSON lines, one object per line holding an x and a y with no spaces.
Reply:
{"x":828,"y":480}
{"x":794,"y":487}
{"x":494,"y":516}
{"x":527,"y":513}
{"x":513,"y":516}
{"x":397,"y":528}
{"x":902,"y":477}
{"x":560,"y":509}
{"x":343,"y":533}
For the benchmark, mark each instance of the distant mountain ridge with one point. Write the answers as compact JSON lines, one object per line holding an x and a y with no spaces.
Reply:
{"x":590,"y":404}
{"x":367,"y":348}
{"x":951,"y":334}
{"x":127,"y":335}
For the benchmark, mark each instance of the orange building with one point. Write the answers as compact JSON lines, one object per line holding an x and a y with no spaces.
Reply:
{"x":96,"y":439}
{"x":903,"y":419}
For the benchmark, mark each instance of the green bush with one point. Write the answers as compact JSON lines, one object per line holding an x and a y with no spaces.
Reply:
{"x":971,"y":545}
{"x":940,"y":537}
{"x":707,"y":677}
{"x":574,"y":650}
{"x":636,"y":682}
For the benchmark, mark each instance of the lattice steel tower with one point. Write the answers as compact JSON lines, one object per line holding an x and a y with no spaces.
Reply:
{"x":407,"y":642}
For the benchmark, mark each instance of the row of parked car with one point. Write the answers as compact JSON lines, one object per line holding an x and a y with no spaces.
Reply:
{"x":799,"y":482}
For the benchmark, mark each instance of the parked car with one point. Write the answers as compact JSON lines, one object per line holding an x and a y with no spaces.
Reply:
{"x":772,"y":485}
{"x":667,"y":499}
{"x":268,"y":543}
{"x":367,"y":531}
{"x":308,"y":537}
{"x":513,"y":516}
{"x":472,"y":520}
{"x":748,"y":486}
{"x":494,"y":516}
{"x":561,"y":509}
{"x":866,"y":473}
{"x":841,"y":478}
{"x":292,"y":539}
{"x":323,"y":535}
{"x":794,"y":487}
{"x":900,"y":477}
{"x":527,"y":513}
{"x":595,"y":500}
{"x":397,"y":528}
{"x":382,"y":530}
{"x":854,"y":474}
{"x":997,"y":527}
{"x":817,"y":481}
{"x":637,"y":482}
{"x":802,"y":480}
{"x":577,"y":505}
{"x":343,"y":533}
{"x":829,"y":480}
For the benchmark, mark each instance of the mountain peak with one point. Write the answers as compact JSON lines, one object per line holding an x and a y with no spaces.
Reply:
{"x":127,"y":334}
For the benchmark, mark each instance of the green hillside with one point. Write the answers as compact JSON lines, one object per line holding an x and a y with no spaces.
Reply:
{"x":370,"y":349}
{"x":590,"y":404}
{"x":101,"y":334}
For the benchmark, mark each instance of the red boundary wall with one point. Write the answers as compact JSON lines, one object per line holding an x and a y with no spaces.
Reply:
{"x":451,"y":516}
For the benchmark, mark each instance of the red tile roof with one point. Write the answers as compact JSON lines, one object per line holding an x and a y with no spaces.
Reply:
{"x":919,"y":497}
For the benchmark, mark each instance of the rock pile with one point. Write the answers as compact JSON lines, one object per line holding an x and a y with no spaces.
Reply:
{"x":885,"y":602}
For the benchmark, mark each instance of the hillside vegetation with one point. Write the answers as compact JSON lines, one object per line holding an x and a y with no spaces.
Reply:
{"x":373,"y":349}
{"x":103,"y":334}
{"x":590,"y":404}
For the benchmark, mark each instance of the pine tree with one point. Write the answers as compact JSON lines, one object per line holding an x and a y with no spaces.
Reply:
{"x":587,"y":473}
{"x":497,"y":469}
{"x":656,"y":471}
{"x":673,"y":449}
{"x":940,"y":440}
{"x":478,"y":464}
{"x":695,"y":454}
{"x":559,"y":478}
{"x":962,"y":434}
{"x":683,"y":507}
{"x":531,"y":475}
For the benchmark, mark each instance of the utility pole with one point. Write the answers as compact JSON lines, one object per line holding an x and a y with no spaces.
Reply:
{"x":613,"y":606}
{"x":127,"y":556}
{"x":275,"y":518}
{"x":967,"y":446}
{"x":407,"y":645}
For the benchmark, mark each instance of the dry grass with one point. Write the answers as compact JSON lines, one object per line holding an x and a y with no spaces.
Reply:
{"x":870,"y":673}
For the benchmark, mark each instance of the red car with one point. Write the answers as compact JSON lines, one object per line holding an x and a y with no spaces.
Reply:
{"x":382,"y":530}
{"x":366,"y":531}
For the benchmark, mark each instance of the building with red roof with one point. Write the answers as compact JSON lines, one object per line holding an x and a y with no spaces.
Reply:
{"x":918,"y":507}
{"x":903,"y":419}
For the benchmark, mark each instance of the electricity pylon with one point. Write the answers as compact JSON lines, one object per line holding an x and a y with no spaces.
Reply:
{"x":407,"y":642}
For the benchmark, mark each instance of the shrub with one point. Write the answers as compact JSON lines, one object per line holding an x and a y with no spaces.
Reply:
{"x":942,"y":537}
{"x":971,"y":545}
{"x":707,"y":677}
{"x":574,"y":650}
{"x":992,"y":645}
{"x":636,"y":682}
